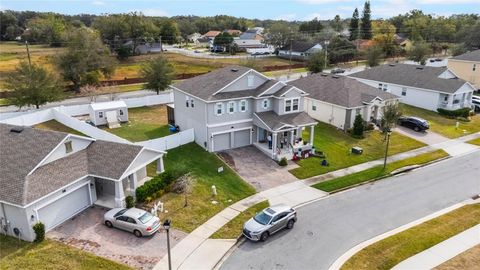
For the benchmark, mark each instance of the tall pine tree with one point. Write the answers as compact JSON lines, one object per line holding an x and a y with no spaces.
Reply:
{"x":366,"y":26}
{"x":354,"y":25}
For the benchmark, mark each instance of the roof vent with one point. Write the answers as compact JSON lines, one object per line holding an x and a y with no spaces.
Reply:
{"x":419,"y":67}
{"x":16,"y":129}
{"x":335,"y":76}
{"x":233,"y":70}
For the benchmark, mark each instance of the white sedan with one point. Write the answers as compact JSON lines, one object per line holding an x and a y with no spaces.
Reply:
{"x":134,"y":220}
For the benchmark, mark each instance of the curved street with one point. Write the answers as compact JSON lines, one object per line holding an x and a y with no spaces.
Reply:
{"x":329,"y":227}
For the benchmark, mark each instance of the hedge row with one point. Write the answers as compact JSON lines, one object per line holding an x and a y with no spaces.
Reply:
{"x":157,"y":185}
{"x":463,"y":112}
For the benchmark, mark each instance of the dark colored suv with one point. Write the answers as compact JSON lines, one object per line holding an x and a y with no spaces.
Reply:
{"x":415,"y":123}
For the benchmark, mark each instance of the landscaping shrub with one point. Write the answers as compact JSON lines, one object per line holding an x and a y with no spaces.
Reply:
{"x":129,"y":201}
{"x":370,"y":127}
{"x":463,"y":112}
{"x":283,"y":162}
{"x":39,"y":229}
{"x":358,"y":126}
{"x":158,"y":185}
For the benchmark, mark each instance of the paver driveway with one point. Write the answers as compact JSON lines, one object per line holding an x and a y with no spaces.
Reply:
{"x":87,"y":232}
{"x":258,"y":169}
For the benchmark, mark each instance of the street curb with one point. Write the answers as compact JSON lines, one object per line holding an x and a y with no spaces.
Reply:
{"x":354,"y":250}
{"x":240,"y":240}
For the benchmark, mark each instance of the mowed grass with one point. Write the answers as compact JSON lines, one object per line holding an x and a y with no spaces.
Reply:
{"x":145,"y":123}
{"x":233,"y":229}
{"x":337,"y":145}
{"x":57,"y":126}
{"x":443,"y":125}
{"x":390,"y":251}
{"x":475,"y":141}
{"x":378,"y":171}
{"x":203,"y":167}
{"x":49,"y":255}
{"x":469,"y":259}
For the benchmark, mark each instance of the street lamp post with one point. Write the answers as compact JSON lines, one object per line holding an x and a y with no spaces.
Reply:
{"x":326,"y":52}
{"x":166,"y":226}
{"x":386,"y":149}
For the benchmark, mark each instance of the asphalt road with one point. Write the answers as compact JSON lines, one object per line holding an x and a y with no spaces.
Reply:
{"x":328,"y":228}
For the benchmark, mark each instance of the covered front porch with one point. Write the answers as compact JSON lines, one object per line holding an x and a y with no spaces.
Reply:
{"x":455,"y":101}
{"x":282,"y":136}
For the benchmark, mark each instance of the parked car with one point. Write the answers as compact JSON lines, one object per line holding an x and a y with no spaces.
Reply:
{"x":134,"y":220}
{"x":415,"y":123}
{"x":477,"y":98}
{"x":337,"y":71}
{"x":269,"y":221}
{"x":476,"y":105}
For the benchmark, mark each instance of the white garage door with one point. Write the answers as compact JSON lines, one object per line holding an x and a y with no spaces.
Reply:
{"x":62,"y":209}
{"x":221,"y":142}
{"x":242,"y":138}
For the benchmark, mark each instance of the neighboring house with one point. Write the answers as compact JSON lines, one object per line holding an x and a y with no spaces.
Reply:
{"x":103,"y":113}
{"x":250,"y":39}
{"x":420,"y":86}
{"x":403,"y":42}
{"x":237,"y":106}
{"x":51,"y":176}
{"x":211,"y":34}
{"x":363,"y":44}
{"x":193,"y":38}
{"x":144,"y":47}
{"x":204,"y":42}
{"x":252,"y":34}
{"x":336,"y":100}
{"x":299,"y":50}
{"x":234,"y":32}
{"x":467,"y":67}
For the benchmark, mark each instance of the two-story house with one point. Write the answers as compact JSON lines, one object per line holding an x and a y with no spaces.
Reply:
{"x":237,"y":106}
{"x":467,"y":66}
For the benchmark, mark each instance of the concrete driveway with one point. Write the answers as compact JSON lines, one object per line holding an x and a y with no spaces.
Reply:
{"x":427,"y":137}
{"x":257,"y":168}
{"x":87,"y":232}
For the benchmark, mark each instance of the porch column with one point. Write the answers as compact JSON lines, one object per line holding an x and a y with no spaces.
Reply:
{"x":292,"y":137}
{"x":160,"y":167}
{"x":133,"y":183}
{"x":450,"y":101}
{"x":312,"y":130}
{"x":119,"y":194}
{"x":274,"y":144}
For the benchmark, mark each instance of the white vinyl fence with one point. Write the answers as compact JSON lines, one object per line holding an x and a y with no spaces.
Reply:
{"x":171,"y":141}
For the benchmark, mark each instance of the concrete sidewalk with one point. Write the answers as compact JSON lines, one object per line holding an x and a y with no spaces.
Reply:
{"x":442,"y":252}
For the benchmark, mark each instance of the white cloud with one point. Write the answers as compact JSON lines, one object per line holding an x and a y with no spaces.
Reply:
{"x":98,"y":3}
{"x":154,"y":12}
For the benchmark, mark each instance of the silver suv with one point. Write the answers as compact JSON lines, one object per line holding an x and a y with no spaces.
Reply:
{"x":134,"y":220}
{"x":269,"y":221}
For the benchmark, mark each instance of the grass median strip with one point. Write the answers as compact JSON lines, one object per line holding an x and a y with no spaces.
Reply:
{"x":49,"y":254}
{"x":233,"y":228}
{"x":390,"y":251}
{"x":377,"y":171}
{"x":475,"y":141}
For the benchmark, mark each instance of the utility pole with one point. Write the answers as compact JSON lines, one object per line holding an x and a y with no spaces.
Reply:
{"x":290,"y":64}
{"x":28,"y":53}
{"x":161,"y":44}
{"x":386,"y":149}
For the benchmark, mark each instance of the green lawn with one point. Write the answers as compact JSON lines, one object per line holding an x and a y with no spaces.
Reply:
{"x":49,"y":255}
{"x":57,"y":126}
{"x":203,"y":167}
{"x":390,"y":251}
{"x":4,"y":102}
{"x":233,"y":229}
{"x":443,"y":125}
{"x":377,"y":171}
{"x":475,"y":141}
{"x":145,"y":123}
{"x":336,"y":145}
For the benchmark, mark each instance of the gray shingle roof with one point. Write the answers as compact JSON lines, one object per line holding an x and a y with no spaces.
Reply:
{"x":21,"y":152}
{"x":339,"y":90}
{"x":413,"y":76}
{"x":298,"y":46}
{"x":276,"y":122}
{"x":469,"y":56}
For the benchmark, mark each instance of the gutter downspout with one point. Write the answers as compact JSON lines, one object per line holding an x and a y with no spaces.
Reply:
{"x":3,"y":221}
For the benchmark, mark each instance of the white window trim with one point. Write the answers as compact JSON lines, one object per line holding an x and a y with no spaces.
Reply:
{"x":231,"y":105}
{"x":243,"y":101}
{"x":267,"y":102}
{"x":216,"y":107}
{"x":291,"y":105}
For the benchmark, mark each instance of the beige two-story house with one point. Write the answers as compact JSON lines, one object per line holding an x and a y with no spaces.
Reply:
{"x":467,"y":67}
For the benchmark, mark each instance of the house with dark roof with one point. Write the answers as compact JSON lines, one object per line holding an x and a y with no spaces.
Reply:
{"x":250,"y":39}
{"x":237,"y":106}
{"x":420,"y":86}
{"x":49,"y":176}
{"x":467,"y":67}
{"x":336,"y":100}
{"x":299,"y":50}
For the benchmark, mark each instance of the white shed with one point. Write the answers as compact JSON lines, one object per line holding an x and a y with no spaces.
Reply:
{"x":104,"y":113}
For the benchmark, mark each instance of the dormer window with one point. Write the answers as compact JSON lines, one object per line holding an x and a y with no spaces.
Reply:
{"x":243,"y":105}
{"x":250,"y":80}
{"x":218,"y":109}
{"x":292,"y":105}
{"x":68,"y":147}
{"x":265,"y":104}
{"x":231,"y":107}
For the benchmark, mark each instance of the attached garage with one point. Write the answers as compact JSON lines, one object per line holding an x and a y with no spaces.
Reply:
{"x":63,"y":208}
{"x":241,"y":138}
{"x":221,"y":141}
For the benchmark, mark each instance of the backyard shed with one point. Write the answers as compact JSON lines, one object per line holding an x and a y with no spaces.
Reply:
{"x":111,"y":113}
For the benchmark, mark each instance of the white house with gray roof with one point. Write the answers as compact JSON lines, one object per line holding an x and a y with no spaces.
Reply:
{"x":237,"y":106}
{"x":51,"y":176}
{"x":336,"y":100}
{"x":420,"y":86}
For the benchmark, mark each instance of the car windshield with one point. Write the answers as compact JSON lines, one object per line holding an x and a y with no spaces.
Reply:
{"x":145,"y":217}
{"x":121,"y":212}
{"x":262,"y":218}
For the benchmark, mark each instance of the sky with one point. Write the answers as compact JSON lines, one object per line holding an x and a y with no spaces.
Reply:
{"x":261,"y":9}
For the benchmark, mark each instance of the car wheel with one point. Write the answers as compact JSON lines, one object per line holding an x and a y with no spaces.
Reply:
{"x":290,"y":224}
{"x":137,"y":233}
{"x":108,"y":224}
{"x":264,"y":236}
{"x":416,"y":129}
